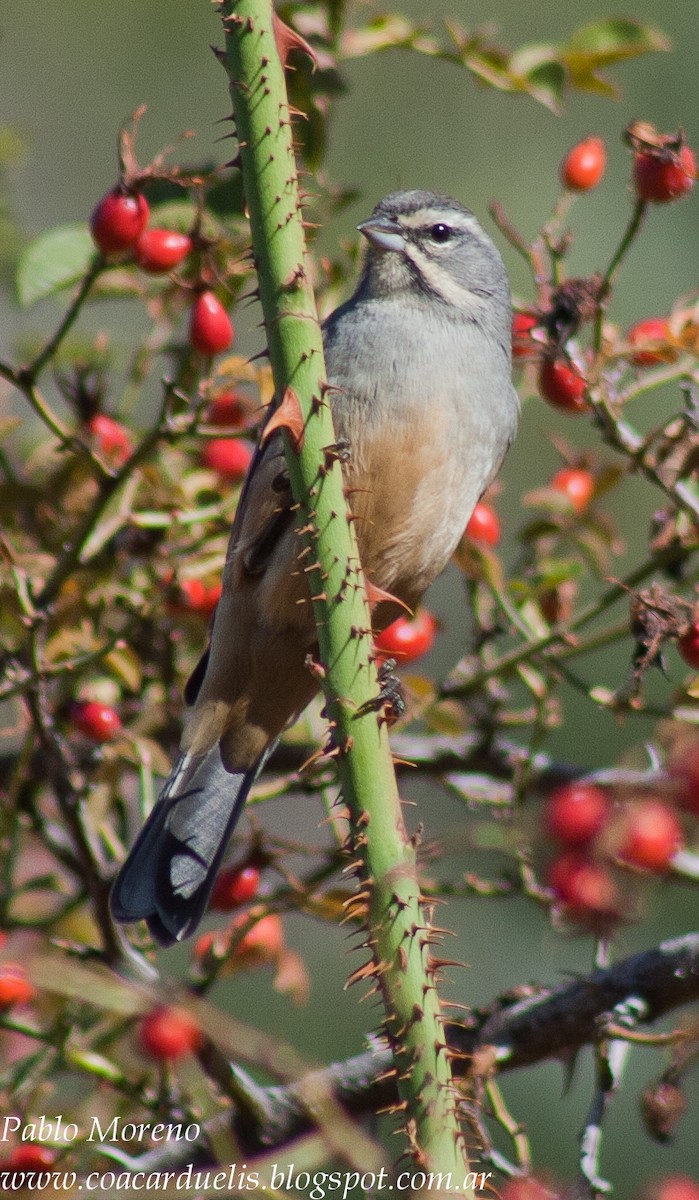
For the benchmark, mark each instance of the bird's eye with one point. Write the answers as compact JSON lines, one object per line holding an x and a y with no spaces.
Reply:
{"x":440,"y":232}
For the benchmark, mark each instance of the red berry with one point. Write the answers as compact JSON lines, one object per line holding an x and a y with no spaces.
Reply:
{"x":169,"y":1033}
{"x":664,"y":175}
{"x":112,"y":438}
{"x":229,"y":457}
{"x":583,"y":166}
{"x":651,"y":336}
{"x":263,"y":943}
{"x":118,"y":220}
{"x":675,"y":1187}
{"x":235,"y":886}
{"x":192,"y":596}
{"x":161,"y":250}
{"x":653,"y":834}
{"x":576,"y":813}
{"x":562,"y":385}
{"x":31,"y":1157}
{"x":484,"y":525}
{"x":228,"y":409}
{"x":584,"y":886}
{"x":575,"y":483}
{"x":99,"y":722}
{"x":688,"y":645}
{"x":407,"y":638}
{"x":210,"y":327}
{"x":15,"y":988}
{"x":522,"y":344}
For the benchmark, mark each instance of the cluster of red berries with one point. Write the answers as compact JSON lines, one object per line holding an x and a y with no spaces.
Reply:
{"x":119,"y":226}
{"x":167,"y":1033}
{"x":229,"y":457}
{"x":664,"y":170}
{"x":593,"y":832}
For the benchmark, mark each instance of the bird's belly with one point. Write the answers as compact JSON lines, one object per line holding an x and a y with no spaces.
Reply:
{"x":411,"y":498}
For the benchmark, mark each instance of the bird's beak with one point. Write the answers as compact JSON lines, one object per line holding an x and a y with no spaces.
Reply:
{"x":383,"y":233}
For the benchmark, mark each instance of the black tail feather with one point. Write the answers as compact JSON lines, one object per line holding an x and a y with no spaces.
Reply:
{"x":168,"y":875}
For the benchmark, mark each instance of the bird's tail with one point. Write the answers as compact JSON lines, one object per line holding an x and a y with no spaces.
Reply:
{"x":168,"y":875}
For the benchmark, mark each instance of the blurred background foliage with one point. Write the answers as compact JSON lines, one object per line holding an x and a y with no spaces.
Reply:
{"x":71,"y":73}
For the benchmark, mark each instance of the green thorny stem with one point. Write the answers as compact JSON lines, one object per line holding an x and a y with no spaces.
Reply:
{"x":399,"y":930}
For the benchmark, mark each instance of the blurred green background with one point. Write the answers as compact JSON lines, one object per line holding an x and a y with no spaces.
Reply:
{"x":69,"y":75}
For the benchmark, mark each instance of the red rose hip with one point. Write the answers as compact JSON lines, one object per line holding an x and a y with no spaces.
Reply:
{"x":664,"y":175}
{"x":161,"y":250}
{"x":111,"y":437}
{"x":688,"y":645}
{"x":407,"y":638}
{"x":522,"y":344}
{"x":484,"y":525}
{"x":649,"y":339}
{"x":15,"y":988}
{"x":562,"y":385}
{"x":229,"y":457}
{"x":118,"y":220}
{"x":210,"y":327}
{"x":167,"y":1034}
{"x":653,"y":834}
{"x":575,"y":813}
{"x":584,"y":165}
{"x":235,"y":886}
{"x":575,"y":483}
{"x":585,"y":886}
{"x":31,"y":1157}
{"x":228,"y":409}
{"x":99,"y":722}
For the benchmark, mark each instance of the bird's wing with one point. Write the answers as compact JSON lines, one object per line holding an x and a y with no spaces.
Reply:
{"x":264,"y":514}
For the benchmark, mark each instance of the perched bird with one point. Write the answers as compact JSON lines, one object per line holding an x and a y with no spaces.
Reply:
{"x":419,"y":363}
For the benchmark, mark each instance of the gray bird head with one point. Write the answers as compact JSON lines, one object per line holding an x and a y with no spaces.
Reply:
{"x":429,"y":248}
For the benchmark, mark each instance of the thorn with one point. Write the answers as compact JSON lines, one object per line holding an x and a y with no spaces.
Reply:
{"x":286,"y":415}
{"x":287,"y":40}
{"x":392,"y":1109}
{"x":296,"y":276}
{"x":376,"y":595}
{"x":356,"y":898}
{"x":369,"y":971}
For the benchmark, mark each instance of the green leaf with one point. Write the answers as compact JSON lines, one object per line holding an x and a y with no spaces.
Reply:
{"x":126,"y":665}
{"x":602,"y":43}
{"x":546,"y":83}
{"x":615,"y":40}
{"x":55,"y":260}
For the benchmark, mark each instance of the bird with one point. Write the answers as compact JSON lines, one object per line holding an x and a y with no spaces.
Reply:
{"x":418,"y":363}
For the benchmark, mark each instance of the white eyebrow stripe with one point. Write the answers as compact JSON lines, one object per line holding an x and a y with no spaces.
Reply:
{"x":425,"y":217}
